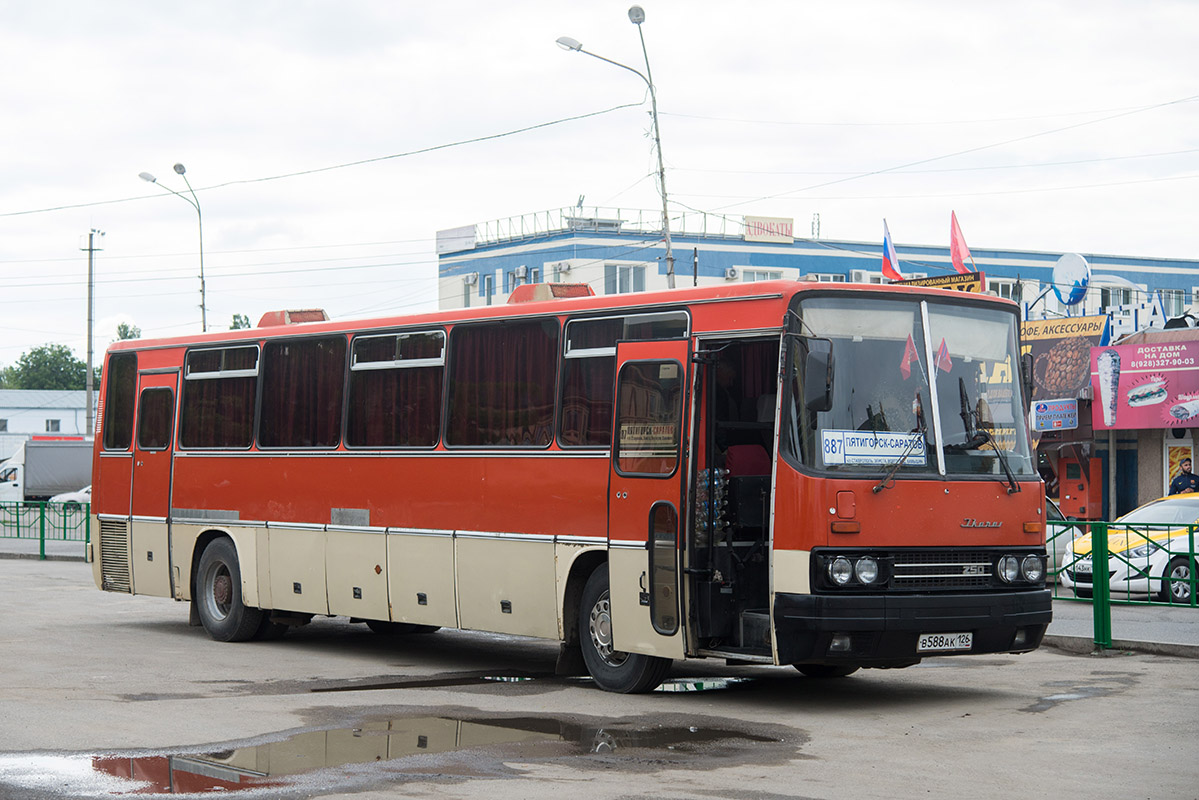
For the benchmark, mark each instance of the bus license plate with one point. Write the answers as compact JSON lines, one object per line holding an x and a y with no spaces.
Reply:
{"x":931,"y":642}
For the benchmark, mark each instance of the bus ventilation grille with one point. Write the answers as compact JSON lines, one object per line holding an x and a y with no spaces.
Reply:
{"x":114,"y":557}
{"x":956,"y":569}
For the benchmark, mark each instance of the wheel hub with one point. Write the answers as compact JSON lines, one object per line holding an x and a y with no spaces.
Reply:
{"x":599,"y":627}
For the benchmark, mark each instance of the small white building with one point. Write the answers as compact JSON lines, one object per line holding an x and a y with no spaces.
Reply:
{"x":37,"y":412}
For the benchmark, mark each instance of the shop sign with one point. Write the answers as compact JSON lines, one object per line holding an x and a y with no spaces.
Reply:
{"x":1055,"y":415}
{"x":1145,"y":386}
{"x":969,"y":282}
{"x":779,"y":230}
{"x":1061,"y":349}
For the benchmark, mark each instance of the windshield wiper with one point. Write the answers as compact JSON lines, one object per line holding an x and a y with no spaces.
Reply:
{"x":1012,"y":485}
{"x":976,"y":437}
{"x":887,"y":482}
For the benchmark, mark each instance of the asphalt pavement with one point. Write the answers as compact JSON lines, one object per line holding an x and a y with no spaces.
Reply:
{"x":1165,"y":630}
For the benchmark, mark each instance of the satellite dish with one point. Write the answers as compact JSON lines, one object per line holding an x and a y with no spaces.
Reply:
{"x":1071,"y":276}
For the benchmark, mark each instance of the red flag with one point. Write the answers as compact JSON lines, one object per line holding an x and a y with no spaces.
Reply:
{"x":909,"y":355}
{"x":958,"y":251}
{"x":943,"y":362}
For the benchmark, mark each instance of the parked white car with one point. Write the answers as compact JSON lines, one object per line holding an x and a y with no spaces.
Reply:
{"x":1151,"y":551}
{"x":74,"y":499}
{"x":1059,"y":533}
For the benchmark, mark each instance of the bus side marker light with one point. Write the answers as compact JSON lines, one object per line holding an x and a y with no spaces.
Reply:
{"x":422,"y":599}
{"x":1032,"y":527}
{"x":295,"y":587}
{"x":845,"y":527}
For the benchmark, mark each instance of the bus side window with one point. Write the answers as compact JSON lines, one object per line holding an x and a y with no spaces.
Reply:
{"x":120,"y":391}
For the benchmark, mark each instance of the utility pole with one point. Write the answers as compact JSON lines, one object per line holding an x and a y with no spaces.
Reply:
{"x":91,"y":315}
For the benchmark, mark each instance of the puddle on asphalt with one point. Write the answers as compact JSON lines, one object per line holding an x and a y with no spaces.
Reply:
{"x":283,"y":763}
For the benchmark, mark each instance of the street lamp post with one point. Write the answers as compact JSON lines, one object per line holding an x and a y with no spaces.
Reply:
{"x":637,"y":16}
{"x":194,"y":202}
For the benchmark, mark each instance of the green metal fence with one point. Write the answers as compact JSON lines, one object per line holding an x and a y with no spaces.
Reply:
{"x":36,"y":524}
{"x":1146,"y":564}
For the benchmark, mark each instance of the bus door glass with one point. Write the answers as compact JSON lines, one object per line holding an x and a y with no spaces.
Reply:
{"x":645,"y":496}
{"x":152,"y":444}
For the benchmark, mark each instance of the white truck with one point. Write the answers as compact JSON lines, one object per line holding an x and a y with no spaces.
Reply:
{"x":41,"y":468}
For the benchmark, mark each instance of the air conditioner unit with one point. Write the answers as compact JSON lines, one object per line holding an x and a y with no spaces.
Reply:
{"x":471,"y":278}
{"x":864,"y":276}
{"x":520,"y":272}
{"x":730,"y":273}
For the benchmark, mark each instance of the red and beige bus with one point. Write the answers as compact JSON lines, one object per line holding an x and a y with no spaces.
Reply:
{"x":827,"y":476}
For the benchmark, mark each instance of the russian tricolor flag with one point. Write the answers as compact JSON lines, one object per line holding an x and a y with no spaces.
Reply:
{"x":890,"y":259}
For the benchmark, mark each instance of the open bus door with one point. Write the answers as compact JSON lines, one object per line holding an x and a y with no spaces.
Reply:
{"x":645,"y":497}
{"x":153,"y":446}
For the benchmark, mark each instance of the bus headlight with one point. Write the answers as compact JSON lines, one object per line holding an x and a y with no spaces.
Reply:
{"x":840,"y":570}
{"x":1009,"y":569}
{"x":1032,"y":569}
{"x":867,"y":570}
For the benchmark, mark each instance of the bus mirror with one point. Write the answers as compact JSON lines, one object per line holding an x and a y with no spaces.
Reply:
{"x":1026,"y":374}
{"x":818,"y":376}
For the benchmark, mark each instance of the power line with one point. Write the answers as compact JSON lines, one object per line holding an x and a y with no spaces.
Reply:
{"x":346,"y":165}
{"x":979,"y":148}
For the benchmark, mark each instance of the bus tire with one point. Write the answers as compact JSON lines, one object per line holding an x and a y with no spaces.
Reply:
{"x":218,"y":595}
{"x":825,"y":670}
{"x":386,"y":628}
{"x":612,"y":670}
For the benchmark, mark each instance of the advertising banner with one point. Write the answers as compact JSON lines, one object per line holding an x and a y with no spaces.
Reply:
{"x":1145,"y":386}
{"x":1061,"y":352}
{"x":1053,"y":415}
{"x":779,"y":230}
{"x":968,"y":282}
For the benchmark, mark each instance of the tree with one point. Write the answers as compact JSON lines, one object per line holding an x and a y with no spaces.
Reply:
{"x":239,"y":321}
{"x":128,"y":331}
{"x":50,"y":366}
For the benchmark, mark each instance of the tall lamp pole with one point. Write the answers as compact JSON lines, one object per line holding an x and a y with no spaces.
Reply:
{"x":194,"y":202}
{"x":637,"y":16}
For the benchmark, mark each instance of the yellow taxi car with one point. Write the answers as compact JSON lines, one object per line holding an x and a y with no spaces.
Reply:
{"x":1151,"y":551}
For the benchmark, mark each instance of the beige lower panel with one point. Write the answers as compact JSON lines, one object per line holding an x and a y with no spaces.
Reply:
{"x":791,"y":573}
{"x":632,"y":629}
{"x":421,"y":565}
{"x":491,"y":571}
{"x":151,"y":563}
{"x":356,"y":561}
{"x":297,"y":557}
{"x":183,"y":555}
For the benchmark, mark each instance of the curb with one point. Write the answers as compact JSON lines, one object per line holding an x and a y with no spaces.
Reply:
{"x":1086,"y":645}
{"x":37,"y":557}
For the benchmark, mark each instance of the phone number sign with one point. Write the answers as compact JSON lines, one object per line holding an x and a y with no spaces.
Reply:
{"x":1055,"y":415}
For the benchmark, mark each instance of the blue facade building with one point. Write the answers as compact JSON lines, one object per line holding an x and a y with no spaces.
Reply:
{"x":619,"y":251}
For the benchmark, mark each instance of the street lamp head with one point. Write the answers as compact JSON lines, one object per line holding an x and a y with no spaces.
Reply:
{"x":180,"y":169}
{"x":636,"y":15}
{"x":567,"y":43}
{"x":147,"y":177}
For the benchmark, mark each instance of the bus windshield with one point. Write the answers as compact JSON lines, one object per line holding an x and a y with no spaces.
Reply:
{"x":919,"y":387}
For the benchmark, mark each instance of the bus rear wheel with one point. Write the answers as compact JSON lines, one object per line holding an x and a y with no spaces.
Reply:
{"x":611,"y":669}
{"x":218,"y":595}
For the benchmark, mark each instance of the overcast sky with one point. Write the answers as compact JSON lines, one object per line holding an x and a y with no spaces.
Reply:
{"x":1070,"y":126}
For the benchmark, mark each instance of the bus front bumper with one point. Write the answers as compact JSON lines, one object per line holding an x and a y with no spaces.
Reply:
{"x":888,"y":630}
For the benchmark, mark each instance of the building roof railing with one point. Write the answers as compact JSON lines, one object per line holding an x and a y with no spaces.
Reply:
{"x":606,"y":220}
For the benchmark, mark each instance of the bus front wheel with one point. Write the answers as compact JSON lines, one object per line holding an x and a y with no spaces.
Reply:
{"x":611,"y":669}
{"x":218,"y":595}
